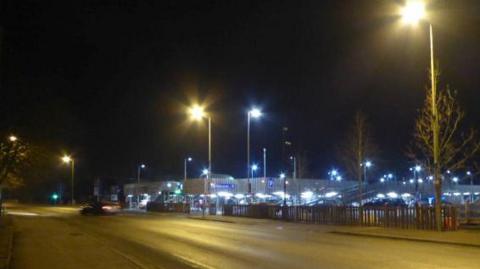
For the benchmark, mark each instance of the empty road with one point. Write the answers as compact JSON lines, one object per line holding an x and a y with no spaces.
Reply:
{"x":58,"y":237}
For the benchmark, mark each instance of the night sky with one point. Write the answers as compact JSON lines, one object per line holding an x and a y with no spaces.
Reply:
{"x":109,"y":81}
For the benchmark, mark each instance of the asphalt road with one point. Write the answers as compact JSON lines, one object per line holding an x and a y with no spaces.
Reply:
{"x":56,"y":237}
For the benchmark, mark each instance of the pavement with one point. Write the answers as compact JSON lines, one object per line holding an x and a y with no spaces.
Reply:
{"x":53,"y":237}
{"x":466,"y":237}
{"x":6,"y":240}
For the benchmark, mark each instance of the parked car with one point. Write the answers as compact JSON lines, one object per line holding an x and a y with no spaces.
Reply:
{"x":100,"y":208}
{"x":386,"y":202}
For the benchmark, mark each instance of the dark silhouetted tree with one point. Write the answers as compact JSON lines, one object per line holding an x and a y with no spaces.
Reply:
{"x":357,"y":147}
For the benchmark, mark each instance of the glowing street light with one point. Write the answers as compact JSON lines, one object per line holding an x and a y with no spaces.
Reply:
{"x":205,"y":172}
{"x":334,"y":175}
{"x":66,"y":159}
{"x":252,"y":113}
{"x":255,"y":113}
{"x":69,"y":160}
{"x":197,"y":112}
{"x":254,"y":169}
{"x":12,"y":138}
{"x":413,"y":12}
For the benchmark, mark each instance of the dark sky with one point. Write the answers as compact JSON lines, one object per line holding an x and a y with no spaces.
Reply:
{"x":109,"y":80}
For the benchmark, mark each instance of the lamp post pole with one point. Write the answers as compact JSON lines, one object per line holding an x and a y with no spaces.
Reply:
{"x":73,"y":181}
{"x":249,"y":187}
{"x":255,"y":113}
{"x":264,"y":164}
{"x":139,"y":168}
{"x":435,"y":129}
{"x":207,"y":178}
{"x":185,"y":164}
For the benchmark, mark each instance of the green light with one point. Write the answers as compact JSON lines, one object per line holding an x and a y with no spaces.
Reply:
{"x":54,"y":196}
{"x":178,"y":191}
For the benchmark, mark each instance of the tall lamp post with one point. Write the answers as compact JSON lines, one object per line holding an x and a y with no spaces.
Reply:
{"x":69,"y":160}
{"x":252,"y":113}
{"x":185,"y":163}
{"x":264,"y":164}
{"x":415,"y":171}
{"x":282,"y":176}
{"x":469,"y":174}
{"x":365,"y":165}
{"x":139,"y":172}
{"x":197,"y":113}
{"x":294,"y":163}
{"x":412,"y":13}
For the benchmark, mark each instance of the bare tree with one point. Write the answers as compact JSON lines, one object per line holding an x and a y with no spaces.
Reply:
{"x":13,"y":155}
{"x":455,"y":146}
{"x":356,"y":149}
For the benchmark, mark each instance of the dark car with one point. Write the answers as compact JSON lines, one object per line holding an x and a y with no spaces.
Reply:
{"x":100,"y":208}
{"x":386,"y":202}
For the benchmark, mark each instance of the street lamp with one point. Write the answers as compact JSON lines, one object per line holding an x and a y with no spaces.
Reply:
{"x":294,"y":162}
{"x":365,"y":165}
{"x":333,"y":174}
{"x":69,"y":160}
{"x":412,"y":13}
{"x":12,"y":138}
{"x":254,"y":169}
{"x":469,"y":174}
{"x":282,"y":176}
{"x":416,"y":169}
{"x":139,"y":170}
{"x":185,"y":162}
{"x":252,"y":113}
{"x":197,"y":113}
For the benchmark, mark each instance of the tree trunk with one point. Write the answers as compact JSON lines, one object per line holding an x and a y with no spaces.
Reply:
{"x":360,"y":187}
{"x":438,"y":199}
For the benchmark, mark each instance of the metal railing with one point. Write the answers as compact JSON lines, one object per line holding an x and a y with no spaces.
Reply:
{"x":168,"y":207}
{"x":419,"y":217}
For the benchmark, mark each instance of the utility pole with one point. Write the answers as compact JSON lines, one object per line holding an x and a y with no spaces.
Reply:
{"x":264,"y":164}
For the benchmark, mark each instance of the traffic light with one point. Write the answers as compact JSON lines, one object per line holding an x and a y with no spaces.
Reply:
{"x":54,"y":197}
